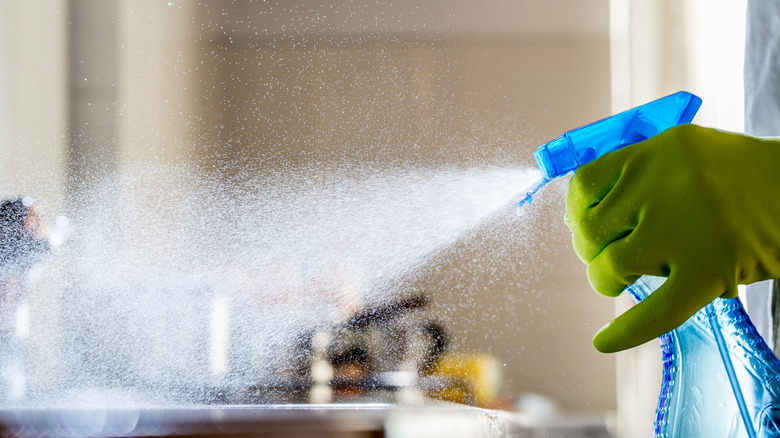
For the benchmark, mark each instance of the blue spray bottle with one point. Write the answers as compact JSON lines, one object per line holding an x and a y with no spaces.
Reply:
{"x":720,"y":379}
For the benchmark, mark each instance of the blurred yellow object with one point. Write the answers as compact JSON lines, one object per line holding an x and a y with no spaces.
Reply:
{"x":467,"y":378}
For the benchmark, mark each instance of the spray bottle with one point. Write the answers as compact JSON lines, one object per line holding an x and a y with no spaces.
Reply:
{"x":720,"y":379}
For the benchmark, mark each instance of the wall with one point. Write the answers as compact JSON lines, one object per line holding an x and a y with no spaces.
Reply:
{"x":457,"y":85}
{"x":434,"y":84}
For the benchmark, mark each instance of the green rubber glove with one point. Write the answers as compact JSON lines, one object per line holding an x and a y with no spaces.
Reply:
{"x":696,"y":205}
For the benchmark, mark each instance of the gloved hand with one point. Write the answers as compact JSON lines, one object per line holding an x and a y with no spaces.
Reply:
{"x":696,"y":205}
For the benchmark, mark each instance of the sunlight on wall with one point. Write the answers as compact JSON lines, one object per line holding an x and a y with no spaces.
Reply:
{"x":658,"y":47}
{"x":715,"y":30}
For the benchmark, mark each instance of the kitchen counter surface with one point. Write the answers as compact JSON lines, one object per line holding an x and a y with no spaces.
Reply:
{"x":295,"y":420}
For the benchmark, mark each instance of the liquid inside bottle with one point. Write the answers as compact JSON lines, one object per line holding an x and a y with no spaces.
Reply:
{"x":698,"y":397}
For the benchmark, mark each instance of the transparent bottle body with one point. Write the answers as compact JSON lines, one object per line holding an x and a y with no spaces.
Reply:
{"x":697,"y":397}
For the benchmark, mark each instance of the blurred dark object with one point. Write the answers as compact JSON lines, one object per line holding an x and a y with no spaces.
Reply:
{"x":400,"y":327}
{"x":385,"y":349}
{"x":385,"y":312}
{"x":438,"y":337}
{"x":351,"y":370}
{"x":22,"y":239}
{"x":382,"y":351}
{"x":22,"y":245}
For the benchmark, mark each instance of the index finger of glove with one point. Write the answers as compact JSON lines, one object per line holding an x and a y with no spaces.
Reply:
{"x":679,"y":298}
{"x":591,"y":183}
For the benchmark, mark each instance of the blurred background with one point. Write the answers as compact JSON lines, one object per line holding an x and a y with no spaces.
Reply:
{"x":94,"y":91}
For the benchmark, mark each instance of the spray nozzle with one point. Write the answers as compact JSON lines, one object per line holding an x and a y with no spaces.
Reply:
{"x":583,"y":145}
